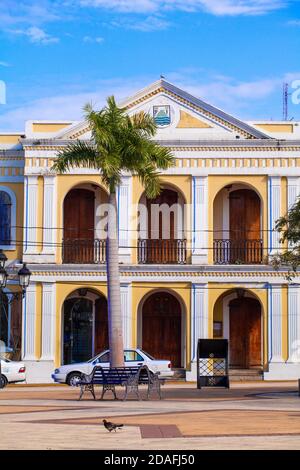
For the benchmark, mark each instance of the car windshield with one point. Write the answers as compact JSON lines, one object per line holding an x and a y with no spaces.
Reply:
{"x":148,"y":355}
{"x":95,"y":358}
{"x":4,"y":359}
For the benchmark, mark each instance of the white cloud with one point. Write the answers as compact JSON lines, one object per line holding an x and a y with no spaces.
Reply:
{"x":235,"y":7}
{"x":149,"y":24}
{"x":294,"y":23}
{"x":215,"y":7}
{"x":249,"y":99}
{"x":36,"y":35}
{"x":67,"y":106}
{"x":14,"y":12}
{"x":127,"y":6}
{"x":89,"y":39}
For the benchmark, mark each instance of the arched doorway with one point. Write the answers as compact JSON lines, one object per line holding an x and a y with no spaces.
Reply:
{"x":161,"y":318}
{"x":237,"y":226}
{"x":79,"y":217}
{"x":161,"y":228}
{"x":85,"y":326}
{"x":244,"y":210}
{"x":245,"y":333}
{"x":84,"y":221}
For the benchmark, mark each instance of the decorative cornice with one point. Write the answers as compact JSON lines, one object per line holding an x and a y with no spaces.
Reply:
{"x":160,"y":274}
{"x":237,"y":145}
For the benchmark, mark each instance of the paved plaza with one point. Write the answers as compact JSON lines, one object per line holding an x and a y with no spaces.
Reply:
{"x":248,"y":416}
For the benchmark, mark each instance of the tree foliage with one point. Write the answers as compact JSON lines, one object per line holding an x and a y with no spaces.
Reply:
{"x":119,"y":143}
{"x":289,"y":228}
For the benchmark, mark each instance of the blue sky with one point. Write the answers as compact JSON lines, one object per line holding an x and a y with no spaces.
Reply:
{"x":57,"y":55}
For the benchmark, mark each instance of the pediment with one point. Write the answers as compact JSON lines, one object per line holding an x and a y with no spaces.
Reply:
{"x":178,"y":115}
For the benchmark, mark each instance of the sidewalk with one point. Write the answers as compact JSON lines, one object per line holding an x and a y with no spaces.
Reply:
{"x":258,"y":415}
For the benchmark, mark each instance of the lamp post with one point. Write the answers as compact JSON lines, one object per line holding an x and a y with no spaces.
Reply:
{"x":24,"y":279}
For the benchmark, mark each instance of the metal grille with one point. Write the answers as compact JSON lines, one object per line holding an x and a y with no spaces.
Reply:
{"x":83,"y":251}
{"x":158,"y":251}
{"x":212,"y":367}
{"x":238,"y":251}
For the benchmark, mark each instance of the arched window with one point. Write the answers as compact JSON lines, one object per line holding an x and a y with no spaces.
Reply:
{"x":5,"y":218}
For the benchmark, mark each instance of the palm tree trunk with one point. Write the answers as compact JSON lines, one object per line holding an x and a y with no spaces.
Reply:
{"x":115,"y":326}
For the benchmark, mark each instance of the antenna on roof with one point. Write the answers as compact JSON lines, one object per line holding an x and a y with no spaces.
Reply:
{"x":285,"y":101}
{"x":162,"y":76}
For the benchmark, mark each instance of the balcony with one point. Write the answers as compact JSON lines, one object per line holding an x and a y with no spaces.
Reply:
{"x":238,"y":251}
{"x":162,"y":251}
{"x":84,"y":251}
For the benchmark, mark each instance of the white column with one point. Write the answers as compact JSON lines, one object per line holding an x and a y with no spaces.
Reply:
{"x":30,"y":217}
{"x":199,"y":324}
{"x":274,"y":204}
{"x":49,"y":219}
{"x":275,"y":324}
{"x":29,"y":323}
{"x":199,"y":316}
{"x":124,"y":213}
{"x":294,"y":323}
{"x":126,"y":306}
{"x":200,"y":220}
{"x":293,"y":183}
{"x":48,"y":321}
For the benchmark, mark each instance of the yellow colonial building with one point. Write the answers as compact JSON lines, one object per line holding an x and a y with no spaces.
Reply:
{"x":209,"y":277}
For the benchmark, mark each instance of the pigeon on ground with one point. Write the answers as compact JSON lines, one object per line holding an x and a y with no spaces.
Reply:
{"x":112,"y":426}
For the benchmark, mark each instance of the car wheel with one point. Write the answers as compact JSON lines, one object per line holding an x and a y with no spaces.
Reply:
{"x":3,"y":381}
{"x":73,"y":379}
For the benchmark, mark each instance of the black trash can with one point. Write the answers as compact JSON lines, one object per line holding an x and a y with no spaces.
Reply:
{"x":212,"y":363}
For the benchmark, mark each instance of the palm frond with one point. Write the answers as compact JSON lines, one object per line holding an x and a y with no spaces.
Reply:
{"x":79,"y":154}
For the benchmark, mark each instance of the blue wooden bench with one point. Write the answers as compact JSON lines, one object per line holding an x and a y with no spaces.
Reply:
{"x":128,"y":377}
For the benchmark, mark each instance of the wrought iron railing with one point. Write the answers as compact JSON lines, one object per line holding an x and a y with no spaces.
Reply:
{"x":238,"y":251}
{"x":84,"y":251}
{"x":162,"y":251}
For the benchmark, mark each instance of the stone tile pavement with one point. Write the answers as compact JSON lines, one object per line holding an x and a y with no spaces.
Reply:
{"x":248,"y":416}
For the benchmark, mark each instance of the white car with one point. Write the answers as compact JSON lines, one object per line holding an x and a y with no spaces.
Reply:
{"x":72,"y":373}
{"x":12,"y":371}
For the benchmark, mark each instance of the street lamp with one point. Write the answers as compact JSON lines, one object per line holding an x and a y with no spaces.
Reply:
{"x":24,"y":278}
{"x":3,"y":278}
{"x":3,"y":259}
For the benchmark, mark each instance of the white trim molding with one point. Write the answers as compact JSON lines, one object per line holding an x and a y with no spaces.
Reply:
{"x":126,"y":307}
{"x":49,"y":218}
{"x":293,"y":183}
{"x":275,"y":323}
{"x":294,"y":324}
{"x":48,"y":321}
{"x":200,"y":220}
{"x":199,"y":324}
{"x":29,"y":323}
{"x":30,"y":217}
{"x":124,"y":213}
{"x":274,"y":206}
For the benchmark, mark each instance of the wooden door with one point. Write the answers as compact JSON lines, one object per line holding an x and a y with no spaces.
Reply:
{"x":101,"y":325}
{"x":79,"y":217}
{"x":162,"y":246}
{"x":244,"y":222}
{"x":161,"y":327}
{"x":245,"y":333}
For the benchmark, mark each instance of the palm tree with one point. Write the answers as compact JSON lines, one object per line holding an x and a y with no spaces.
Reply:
{"x":119,"y":144}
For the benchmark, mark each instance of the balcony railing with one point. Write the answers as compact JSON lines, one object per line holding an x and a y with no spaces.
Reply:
{"x":238,"y":251}
{"x":84,"y":251}
{"x":161,"y":251}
